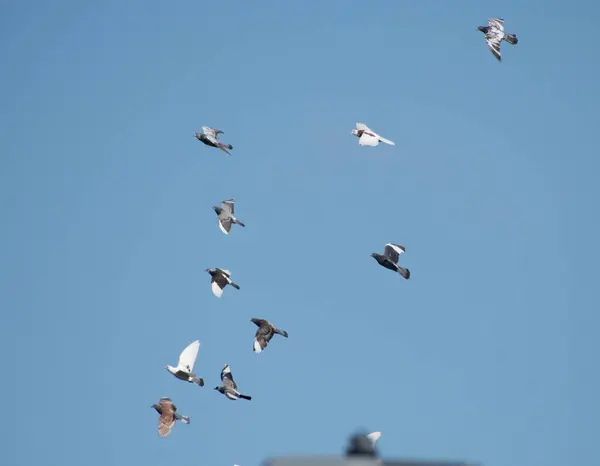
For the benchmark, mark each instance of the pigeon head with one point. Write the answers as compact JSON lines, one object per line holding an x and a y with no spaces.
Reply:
{"x":217,"y":209}
{"x":355,"y":132}
{"x":482,"y":29}
{"x":197,"y":135}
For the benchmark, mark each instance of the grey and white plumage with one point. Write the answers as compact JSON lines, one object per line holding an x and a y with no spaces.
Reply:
{"x":185,"y":365}
{"x":220,"y":278}
{"x":168,"y":416}
{"x":226,"y":214}
{"x":265,"y":332}
{"x":368,"y":137}
{"x":229,"y":387}
{"x":389,"y":259}
{"x":210,"y":137}
{"x":494,"y":35}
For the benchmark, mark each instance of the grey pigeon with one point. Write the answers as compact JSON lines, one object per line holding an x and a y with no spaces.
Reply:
{"x":494,"y":35}
{"x":220,"y":278}
{"x":390,"y":257}
{"x":168,"y":416}
{"x":265,"y":332}
{"x":211,"y":138}
{"x":185,"y":366}
{"x":229,"y":387}
{"x":226,"y":215}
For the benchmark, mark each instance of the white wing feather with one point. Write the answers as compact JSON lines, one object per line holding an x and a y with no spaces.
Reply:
{"x":374,"y":436}
{"x":222,"y":228}
{"x":217,"y":291}
{"x":187,"y":358}
{"x":395,"y":248}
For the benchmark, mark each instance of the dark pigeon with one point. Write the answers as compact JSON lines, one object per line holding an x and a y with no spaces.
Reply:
{"x":390,"y":257}
{"x":220,"y":278}
{"x":265,"y":332}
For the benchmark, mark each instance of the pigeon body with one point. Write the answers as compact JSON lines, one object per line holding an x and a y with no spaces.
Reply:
{"x":389,"y":259}
{"x":220,"y":278}
{"x":226,"y":215}
{"x":494,"y":35}
{"x":368,"y":137}
{"x":185,"y":366}
{"x":168,"y":416}
{"x":265,"y":332}
{"x":229,"y":387}
{"x":210,"y":137}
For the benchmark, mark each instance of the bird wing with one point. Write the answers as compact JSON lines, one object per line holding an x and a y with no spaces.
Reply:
{"x":210,"y":134}
{"x":225,"y":225}
{"x":167,"y":419}
{"x":368,"y":139}
{"x":374,"y":436}
{"x":225,"y":272}
{"x":227,"y":378}
{"x":263,"y":335}
{"x":493,"y":42}
{"x":228,"y":206}
{"x":393,"y":251}
{"x":217,"y":285}
{"x":362,"y":127}
{"x":188,"y":356}
{"x":257,"y":322}
{"x":496,"y":23}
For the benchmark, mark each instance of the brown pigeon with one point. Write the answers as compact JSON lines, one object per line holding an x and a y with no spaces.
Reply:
{"x":168,"y":416}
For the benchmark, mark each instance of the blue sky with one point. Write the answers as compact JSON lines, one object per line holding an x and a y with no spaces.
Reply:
{"x":488,"y":353}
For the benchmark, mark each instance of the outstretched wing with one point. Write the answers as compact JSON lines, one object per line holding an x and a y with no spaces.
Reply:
{"x":493,"y":43}
{"x":166,"y":421}
{"x":374,"y":436}
{"x":228,"y":206}
{"x":496,"y":23}
{"x":225,"y":225}
{"x":218,"y":282}
{"x":393,"y":251}
{"x":363,"y":127}
{"x":211,"y":134}
{"x":187,"y":358}
{"x":368,"y":139}
{"x":227,"y":378}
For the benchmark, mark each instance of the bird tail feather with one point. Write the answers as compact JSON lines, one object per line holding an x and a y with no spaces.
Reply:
{"x":245,"y":397}
{"x":239,"y":223}
{"x":511,"y":39}
{"x":404,"y":272}
{"x":198,"y":381}
{"x":283,"y":333}
{"x":235,"y":285}
{"x":184,"y":419}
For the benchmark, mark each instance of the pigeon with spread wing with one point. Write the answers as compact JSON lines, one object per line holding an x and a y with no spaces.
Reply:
{"x":494,"y":35}
{"x":185,"y":366}
{"x":389,"y":259}
{"x":264,"y":333}
{"x":168,"y":416}
{"x":226,"y":215}
{"x":210,"y":137}
{"x":368,"y":137}
{"x":229,"y":387}
{"x":220,"y":278}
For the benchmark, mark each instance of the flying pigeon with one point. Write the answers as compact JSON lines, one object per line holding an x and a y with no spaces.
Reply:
{"x":185,"y":366}
{"x":226,"y":215}
{"x":211,"y":138}
{"x":229,"y":387}
{"x":220,"y":279}
{"x":368,"y":137}
{"x":494,"y":35}
{"x":168,"y":416}
{"x":390,"y":257}
{"x":266,"y":330}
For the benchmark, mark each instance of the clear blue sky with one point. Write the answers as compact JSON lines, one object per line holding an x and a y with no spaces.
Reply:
{"x":489,"y":352}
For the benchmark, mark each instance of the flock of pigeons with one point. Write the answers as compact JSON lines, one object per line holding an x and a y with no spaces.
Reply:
{"x":220,"y":278}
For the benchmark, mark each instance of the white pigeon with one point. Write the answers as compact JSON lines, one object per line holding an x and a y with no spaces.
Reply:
{"x":368,"y":137}
{"x":185,"y":366}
